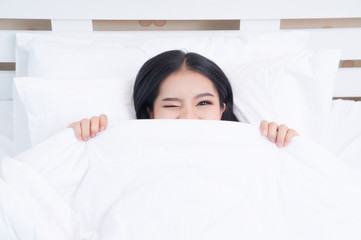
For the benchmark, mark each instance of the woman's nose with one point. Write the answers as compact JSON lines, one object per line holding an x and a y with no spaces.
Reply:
{"x":188,"y":114}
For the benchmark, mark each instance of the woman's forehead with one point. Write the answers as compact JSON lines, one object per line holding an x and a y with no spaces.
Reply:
{"x":186,"y":81}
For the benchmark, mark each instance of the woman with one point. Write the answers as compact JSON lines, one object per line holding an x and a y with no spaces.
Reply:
{"x":178,"y":85}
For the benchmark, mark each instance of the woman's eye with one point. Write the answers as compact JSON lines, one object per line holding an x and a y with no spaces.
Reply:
{"x":204,"y":103}
{"x":170,"y":106}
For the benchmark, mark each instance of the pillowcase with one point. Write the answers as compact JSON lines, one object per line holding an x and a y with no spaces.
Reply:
{"x":295,"y":90}
{"x":227,"y":50}
{"x":50,"y":105}
{"x":59,"y":57}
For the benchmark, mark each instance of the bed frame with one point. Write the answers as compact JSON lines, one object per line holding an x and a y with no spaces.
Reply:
{"x":333,"y":24}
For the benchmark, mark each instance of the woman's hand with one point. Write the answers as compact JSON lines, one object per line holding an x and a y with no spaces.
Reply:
{"x":282,"y":135}
{"x":89,"y":128}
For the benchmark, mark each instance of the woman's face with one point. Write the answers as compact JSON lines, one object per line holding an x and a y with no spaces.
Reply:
{"x":187,"y":95}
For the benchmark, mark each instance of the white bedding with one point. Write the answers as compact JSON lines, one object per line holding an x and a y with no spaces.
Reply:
{"x":6,"y":129}
{"x":343,"y":137}
{"x":178,"y":179}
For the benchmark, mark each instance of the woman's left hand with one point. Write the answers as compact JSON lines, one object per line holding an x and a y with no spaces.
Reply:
{"x":281,"y":135}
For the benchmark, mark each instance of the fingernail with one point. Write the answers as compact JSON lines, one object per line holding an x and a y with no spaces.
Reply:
{"x":92,"y":135}
{"x":101,"y":128}
{"x":264,"y":132}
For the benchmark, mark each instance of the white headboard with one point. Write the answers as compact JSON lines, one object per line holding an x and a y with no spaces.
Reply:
{"x":333,"y":24}
{"x":176,"y":10}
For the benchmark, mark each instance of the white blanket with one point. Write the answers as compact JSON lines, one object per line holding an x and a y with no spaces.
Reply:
{"x":178,"y":179}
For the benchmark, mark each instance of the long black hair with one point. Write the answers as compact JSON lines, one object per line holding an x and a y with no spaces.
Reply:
{"x":158,"y":68}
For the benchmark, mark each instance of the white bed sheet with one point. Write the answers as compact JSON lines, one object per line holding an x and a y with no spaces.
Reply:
{"x":183,"y":179}
{"x":6,"y":129}
{"x":343,"y":137}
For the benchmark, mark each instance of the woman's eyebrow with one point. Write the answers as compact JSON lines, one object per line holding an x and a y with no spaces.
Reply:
{"x":197,"y":96}
{"x":171,"y":99}
{"x":204,"y":95}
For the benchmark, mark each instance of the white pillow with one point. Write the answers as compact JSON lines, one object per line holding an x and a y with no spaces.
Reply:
{"x":59,"y":57}
{"x":229,"y":51}
{"x":52,"y":104}
{"x":295,"y":90}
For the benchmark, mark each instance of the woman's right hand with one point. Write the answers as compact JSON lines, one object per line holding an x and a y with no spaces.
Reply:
{"x":89,"y":128}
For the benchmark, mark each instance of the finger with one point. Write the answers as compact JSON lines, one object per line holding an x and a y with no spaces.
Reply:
{"x":77,"y":129}
{"x":264,"y":127}
{"x":94,"y":126}
{"x":85,"y":129}
{"x":103,"y":122}
{"x":272,"y":131}
{"x":290,"y":134}
{"x":281,"y":134}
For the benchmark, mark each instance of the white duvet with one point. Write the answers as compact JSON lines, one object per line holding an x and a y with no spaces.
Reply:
{"x":178,"y":179}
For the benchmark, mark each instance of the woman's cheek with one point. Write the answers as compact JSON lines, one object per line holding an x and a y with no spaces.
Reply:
{"x":166,"y":114}
{"x":210,"y":113}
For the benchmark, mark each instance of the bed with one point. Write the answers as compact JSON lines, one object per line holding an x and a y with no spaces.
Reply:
{"x":297,"y":64}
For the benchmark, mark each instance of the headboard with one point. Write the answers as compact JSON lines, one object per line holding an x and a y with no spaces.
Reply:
{"x":333,"y":24}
